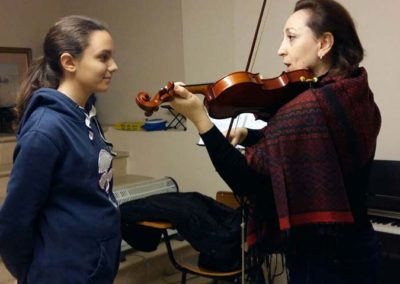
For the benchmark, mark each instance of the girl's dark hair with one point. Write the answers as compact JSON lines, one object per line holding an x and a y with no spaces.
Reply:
{"x":330,"y":16}
{"x":69,"y":35}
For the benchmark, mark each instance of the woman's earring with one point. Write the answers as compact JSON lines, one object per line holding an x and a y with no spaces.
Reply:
{"x":320,"y":56}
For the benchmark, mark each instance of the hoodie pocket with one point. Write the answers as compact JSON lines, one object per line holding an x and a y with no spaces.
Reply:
{"x":107,"y":264}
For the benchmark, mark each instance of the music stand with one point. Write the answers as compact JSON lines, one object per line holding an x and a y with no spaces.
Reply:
{"x":177,"y":118}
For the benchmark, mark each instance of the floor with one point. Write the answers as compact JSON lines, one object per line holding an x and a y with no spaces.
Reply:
{"x":176,"y":279}
{"x":156,"y":268}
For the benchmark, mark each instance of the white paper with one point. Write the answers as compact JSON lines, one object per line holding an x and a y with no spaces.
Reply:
{"x":243,"y":120}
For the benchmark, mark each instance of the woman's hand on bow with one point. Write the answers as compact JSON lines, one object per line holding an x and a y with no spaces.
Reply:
{"x":237,"y":135}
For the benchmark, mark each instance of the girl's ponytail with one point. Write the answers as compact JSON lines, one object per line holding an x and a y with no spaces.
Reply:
{"x":38,"y":75}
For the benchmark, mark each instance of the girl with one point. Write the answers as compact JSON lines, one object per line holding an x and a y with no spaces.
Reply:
{"x":60,"y":222}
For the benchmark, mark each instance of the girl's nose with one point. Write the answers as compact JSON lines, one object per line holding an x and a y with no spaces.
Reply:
{"x":113,"y":66}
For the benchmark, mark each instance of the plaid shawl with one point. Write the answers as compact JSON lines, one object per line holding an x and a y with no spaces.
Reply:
{"x":312,"y":144}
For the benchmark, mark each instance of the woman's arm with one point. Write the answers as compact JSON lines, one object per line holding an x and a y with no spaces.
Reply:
{"x":227,"y":160}
{"x":232,"y":165}
{"x":253,"y":136}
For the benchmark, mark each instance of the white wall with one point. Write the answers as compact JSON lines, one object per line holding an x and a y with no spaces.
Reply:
{"x":199,"y":41}
{"x":377,"y":25}
{"x":24,"y":23}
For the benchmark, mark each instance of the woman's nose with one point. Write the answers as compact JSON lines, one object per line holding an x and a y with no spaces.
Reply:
{"x":281,"y":50}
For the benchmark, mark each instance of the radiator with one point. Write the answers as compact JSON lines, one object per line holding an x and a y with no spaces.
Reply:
{"x":136,"y":190}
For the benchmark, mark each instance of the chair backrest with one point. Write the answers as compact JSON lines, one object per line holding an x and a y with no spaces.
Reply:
{"x":227,"y":198}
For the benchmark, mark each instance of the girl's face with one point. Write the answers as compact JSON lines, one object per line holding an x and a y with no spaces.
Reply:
{"x":300,"y":48}
{"x":96,"y":65}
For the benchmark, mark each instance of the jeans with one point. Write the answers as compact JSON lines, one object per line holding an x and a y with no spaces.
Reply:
{"x":352,"y":256}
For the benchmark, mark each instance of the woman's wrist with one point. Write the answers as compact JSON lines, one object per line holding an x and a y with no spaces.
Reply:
{"x":204,"y":124}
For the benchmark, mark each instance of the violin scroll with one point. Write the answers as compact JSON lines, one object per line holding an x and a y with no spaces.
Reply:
{"x":150,"y":105}
{"x":145,"y":103}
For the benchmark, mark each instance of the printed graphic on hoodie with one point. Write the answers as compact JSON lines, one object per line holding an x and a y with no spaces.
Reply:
{"x":105,"y":172}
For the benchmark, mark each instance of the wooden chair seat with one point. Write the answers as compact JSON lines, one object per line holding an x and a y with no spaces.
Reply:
{"x":156,"y":224}
{"x":190,"y":263}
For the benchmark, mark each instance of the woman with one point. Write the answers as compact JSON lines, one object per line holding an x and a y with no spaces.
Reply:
{"x":305,"y":174}
{"x":60,"y":222}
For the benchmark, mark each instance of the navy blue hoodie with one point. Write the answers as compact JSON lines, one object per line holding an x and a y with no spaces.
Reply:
{"x":60,"y":221}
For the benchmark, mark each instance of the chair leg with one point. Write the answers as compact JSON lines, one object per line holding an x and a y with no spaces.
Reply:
{"x":183,"y":279}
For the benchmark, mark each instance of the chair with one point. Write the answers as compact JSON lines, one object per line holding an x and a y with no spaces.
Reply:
{"x":188,"y":265}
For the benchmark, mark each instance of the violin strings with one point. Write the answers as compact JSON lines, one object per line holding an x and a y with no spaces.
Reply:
{"x":265,"y":19}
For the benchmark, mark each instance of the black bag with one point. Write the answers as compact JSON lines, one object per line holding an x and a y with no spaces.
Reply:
{"x":210,"y":227}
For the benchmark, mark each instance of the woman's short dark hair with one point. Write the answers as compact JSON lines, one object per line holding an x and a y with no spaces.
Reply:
{"x":330,"y":16}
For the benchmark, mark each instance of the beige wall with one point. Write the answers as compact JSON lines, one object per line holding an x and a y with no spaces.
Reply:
{"x":199,"y":41}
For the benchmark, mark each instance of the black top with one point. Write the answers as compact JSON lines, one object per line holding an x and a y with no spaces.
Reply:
{"x":231,"y":165}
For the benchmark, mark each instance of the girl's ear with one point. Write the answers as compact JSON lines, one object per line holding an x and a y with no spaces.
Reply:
{"x":67,"y":62}
{"x":326,"y":43}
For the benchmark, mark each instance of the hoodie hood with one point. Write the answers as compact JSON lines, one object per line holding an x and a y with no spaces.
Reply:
{"x":56,"y":101}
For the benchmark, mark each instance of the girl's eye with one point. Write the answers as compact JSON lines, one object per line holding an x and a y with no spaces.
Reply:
{"x":104,"y":57}
{"x":291,"y":37}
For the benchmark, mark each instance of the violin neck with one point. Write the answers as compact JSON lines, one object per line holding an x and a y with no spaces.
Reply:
{"x":198,"y":88}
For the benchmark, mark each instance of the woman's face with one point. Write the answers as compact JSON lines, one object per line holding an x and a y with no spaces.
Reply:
{"x":96,"y":65}
{"x":300,"y":47}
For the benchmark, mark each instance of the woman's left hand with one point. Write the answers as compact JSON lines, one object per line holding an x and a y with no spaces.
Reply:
{"x":190,"y":106}
{"x":237,"y":135}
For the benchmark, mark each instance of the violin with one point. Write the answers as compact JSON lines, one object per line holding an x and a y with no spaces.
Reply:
{"x":238,"y":92}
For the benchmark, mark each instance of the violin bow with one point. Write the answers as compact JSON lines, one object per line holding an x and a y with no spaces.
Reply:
{"x":250,"y":55}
